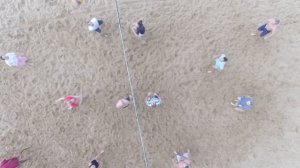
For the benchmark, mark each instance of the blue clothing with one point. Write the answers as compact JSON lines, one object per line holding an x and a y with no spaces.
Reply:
{"x":98,"y":30}
{"x":219,"y":64}
{"x":153,"y":101}
{"x":140,"y":30}
{"x":12,"y":59}
{"x":242,"y":103}
{"x":263,"y":30}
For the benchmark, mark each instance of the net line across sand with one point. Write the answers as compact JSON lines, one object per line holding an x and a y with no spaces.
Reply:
{"x":131,"y":87}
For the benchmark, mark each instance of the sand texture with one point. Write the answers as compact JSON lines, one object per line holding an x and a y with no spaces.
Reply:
{"x":173,"y":59}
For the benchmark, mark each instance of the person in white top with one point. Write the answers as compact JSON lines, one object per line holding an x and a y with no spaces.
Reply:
{"x":95,"y":25}
{"x":183,"y":160}
{"x":14,"y":60}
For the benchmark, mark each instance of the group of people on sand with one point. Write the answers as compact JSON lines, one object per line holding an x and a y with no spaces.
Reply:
{"x":242,"y":103}
{"x":265,"y":30}
{"x":151,"y":100}
{"x":137,"y":28}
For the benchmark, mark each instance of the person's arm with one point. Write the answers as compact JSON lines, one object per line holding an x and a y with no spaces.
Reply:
{"x":215,"y":56}
{"x":60,"y":99}
{"x":146,"y":99}
{"x":98,"y":156}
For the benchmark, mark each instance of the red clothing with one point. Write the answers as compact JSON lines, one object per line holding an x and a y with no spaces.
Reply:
{"x":10,"y":163}
{"x":72,"y":101}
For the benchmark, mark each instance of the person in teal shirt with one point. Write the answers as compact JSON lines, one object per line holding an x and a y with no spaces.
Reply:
{"x":153,"y":100}
{"x":220,"y":61}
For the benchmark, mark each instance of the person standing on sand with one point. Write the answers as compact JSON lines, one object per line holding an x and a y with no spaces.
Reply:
{"x":13,"y":162}
{"x":153,"y":100}
{"x":268,"y":28}
{"x":220,"y":61}
{"x":138,"y":29}
{"x":96,"y":162}
{"x":123,"y":103}
{"x":71,"y":101}
{"x":14,"y":60}
{"x":95,"y":25}
{"x":79,"y":2}
{"x":184,"y":160}
{"x":243,"y":103}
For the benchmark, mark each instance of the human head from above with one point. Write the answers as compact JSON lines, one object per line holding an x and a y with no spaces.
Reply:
{"x":140,"y":23}
{"x":225,"y":59}
{"x":2,"y":57}
{"x":277,"y":21}
{"x":72,"y":101}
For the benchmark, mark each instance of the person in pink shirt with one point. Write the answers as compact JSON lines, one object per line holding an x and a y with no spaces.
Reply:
{"x":123,"y":103}
{"x":13,"y":162}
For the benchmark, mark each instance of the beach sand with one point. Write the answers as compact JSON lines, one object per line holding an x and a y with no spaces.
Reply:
{"x":172,"y":59}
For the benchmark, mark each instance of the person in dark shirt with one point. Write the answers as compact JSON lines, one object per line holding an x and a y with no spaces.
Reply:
{"x":96,"y":163}
{"x":139,"y":29}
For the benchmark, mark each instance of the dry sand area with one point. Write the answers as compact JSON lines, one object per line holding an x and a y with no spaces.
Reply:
{"x":173,"y":58}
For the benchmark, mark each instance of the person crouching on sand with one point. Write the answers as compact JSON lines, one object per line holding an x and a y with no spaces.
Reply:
{"x":71,"y":101}
{"x":183,"y":160}
{"x":243,"y":103}
{"x":97,"y":161}
{"x":138,"y":29}
{"x":95,"y":25}
{"x":268,"y":28}
{"x":123,"y":103}
{"x":153,"y":100}
{"x":14,"y":60}
{"x":220,"y":61}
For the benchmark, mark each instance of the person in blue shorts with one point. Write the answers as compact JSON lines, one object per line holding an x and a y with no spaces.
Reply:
{"x":220,"y":61}
{"x":153,"y":100}
{"x":243,"y":103}
{"x":268,"y":28}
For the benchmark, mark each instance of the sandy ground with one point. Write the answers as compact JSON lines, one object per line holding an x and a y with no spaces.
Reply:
{"x":173,"y":58}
